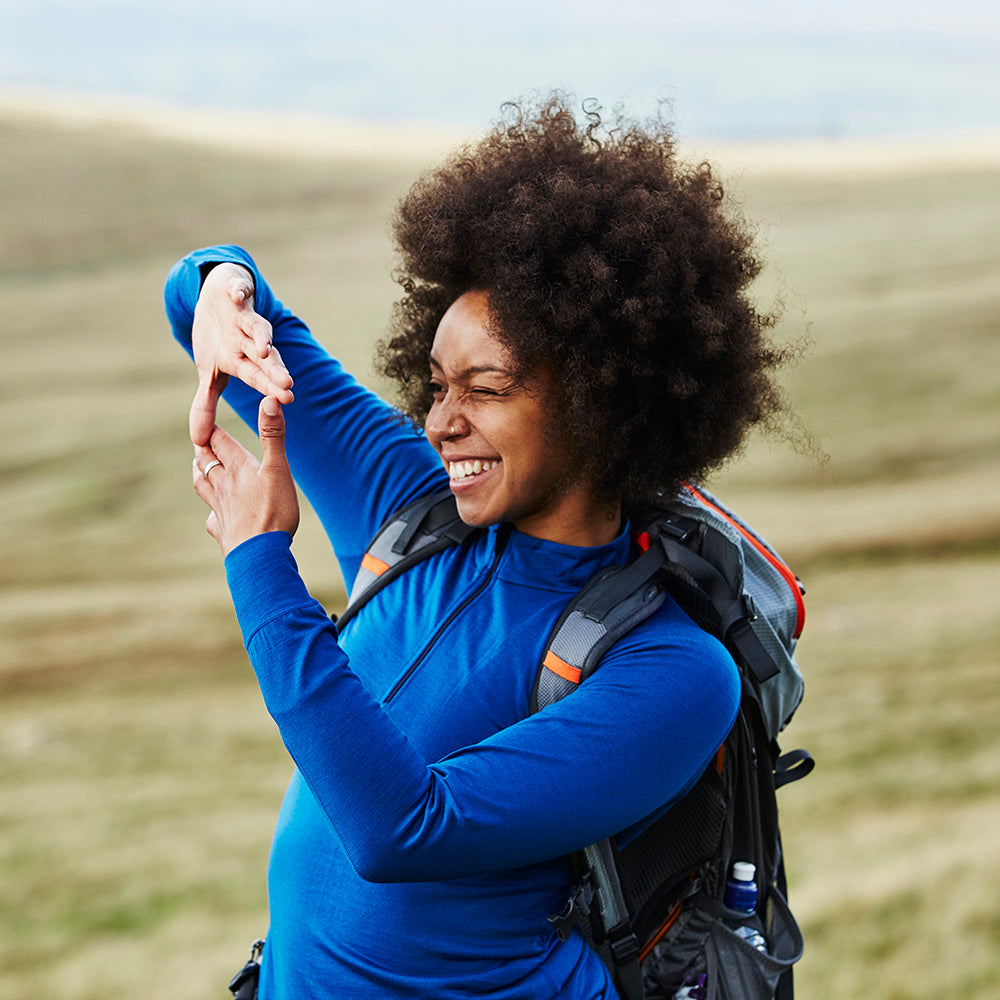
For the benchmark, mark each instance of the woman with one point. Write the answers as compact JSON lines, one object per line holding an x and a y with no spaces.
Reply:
{"x":575,"y":336}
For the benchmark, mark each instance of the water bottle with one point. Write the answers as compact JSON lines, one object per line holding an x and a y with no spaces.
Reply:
{"x":741,"y":895}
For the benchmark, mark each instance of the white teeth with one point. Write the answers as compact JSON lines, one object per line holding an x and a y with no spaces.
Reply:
{"x":462,"y":470}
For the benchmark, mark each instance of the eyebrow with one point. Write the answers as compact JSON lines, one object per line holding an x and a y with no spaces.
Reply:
{"x":474,"y":369}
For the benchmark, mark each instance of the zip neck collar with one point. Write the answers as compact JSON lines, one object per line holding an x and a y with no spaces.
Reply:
{"x":547,"y":565}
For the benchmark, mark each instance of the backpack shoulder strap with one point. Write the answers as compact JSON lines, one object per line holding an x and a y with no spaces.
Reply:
{"x":427,"y":526}
{"x":618,"y":599}
{"x":612,"y":603}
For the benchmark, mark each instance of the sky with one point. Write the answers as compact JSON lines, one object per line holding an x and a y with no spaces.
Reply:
{"x":772,"y":68}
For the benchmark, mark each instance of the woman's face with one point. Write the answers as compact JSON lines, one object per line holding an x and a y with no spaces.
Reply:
{"x":497,"y":437}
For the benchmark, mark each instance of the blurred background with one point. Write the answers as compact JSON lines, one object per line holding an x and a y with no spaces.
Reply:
{"x":774,"y":68}
{"x":139,"y":774}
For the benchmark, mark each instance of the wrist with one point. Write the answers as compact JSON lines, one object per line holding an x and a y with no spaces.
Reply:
{"x":263,"y":580}
{"x":268,"y":539}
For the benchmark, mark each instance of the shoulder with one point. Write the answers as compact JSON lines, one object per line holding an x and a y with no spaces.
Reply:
{"x":671,"y":658}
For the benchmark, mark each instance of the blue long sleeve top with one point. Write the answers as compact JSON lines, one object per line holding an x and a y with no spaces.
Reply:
{"x":421,"y":843}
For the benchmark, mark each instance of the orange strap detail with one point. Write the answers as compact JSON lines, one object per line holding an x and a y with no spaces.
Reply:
{"x":373,"y":565}
{"x":561,"y":667}
{"x":675,"y":912}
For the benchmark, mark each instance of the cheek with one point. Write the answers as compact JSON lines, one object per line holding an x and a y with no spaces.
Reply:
{"x":534,"y":459}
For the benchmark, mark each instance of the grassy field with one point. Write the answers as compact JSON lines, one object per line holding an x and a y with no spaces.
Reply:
{"x":139,"y":773}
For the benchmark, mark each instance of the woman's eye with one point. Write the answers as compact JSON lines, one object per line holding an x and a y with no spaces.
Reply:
{"x":435,"y":387}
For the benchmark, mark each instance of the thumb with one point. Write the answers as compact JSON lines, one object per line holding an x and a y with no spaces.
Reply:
{"x":271,"y":426}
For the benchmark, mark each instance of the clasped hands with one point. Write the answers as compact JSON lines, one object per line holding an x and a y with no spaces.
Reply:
{"x":247,"y":497}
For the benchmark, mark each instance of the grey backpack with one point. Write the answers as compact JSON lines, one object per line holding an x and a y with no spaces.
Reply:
{"x":653,"y":908}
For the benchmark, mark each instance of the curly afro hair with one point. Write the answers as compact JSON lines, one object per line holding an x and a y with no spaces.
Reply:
{"x":609,"y":263}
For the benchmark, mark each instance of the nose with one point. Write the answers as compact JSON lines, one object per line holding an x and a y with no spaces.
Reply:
{"x":445,"y":420}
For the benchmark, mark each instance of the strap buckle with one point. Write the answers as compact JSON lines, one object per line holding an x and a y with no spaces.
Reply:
{"x":625,"y":951}
{"x":624,"y":946}
{"x":578,"y":906}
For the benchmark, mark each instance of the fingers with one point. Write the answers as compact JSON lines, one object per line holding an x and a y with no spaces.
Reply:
{"x":259,"y":331}
{"x":204,"y":457}
{"x":269,"y":377}
{"x":203,"y":487}
{"x":278,"y":372}
{"x":204,"y":406}
{"x":275,"y":477}
{"x":224,"y":447}
{"x":240,"y":285}
{"x":202,"y":484}
{"x":206,"y":465}
{"x":211,"y":461}
{"x":241,"y":291}
{"x":247,"y":497}
{"x":212,"y":526}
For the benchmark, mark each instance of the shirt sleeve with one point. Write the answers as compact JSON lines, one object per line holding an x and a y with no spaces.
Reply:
{"x":631,"y":739}
{"x":353,"y":455}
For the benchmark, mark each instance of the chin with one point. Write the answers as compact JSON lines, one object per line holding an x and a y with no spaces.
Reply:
{"x":475,"y":516}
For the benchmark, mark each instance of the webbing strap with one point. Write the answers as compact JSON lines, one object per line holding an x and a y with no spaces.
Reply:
{"x":786,"y":984}
{"x":628,"y":972}
{"x":614,"y":915}
{"x":717,"y":588}
{"x":791,"y":766}
{"x":587,"y":628}
{"x":735,"y":609}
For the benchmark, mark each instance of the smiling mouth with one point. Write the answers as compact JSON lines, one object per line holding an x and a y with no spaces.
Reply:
{"x":466,"y":470}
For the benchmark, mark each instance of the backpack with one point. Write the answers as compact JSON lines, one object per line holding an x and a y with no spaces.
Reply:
{"x":654,"y":908}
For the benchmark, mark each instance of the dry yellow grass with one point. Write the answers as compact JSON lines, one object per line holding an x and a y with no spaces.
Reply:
{"x":140,"y":775}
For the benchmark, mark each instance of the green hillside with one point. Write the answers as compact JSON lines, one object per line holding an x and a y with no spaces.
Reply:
{"x":140,"y":774}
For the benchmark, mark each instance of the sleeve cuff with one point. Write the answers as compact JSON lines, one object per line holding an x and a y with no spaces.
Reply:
{"x":264,"y":581}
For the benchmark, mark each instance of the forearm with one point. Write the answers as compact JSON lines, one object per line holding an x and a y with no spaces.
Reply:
{"x":349,"y":452}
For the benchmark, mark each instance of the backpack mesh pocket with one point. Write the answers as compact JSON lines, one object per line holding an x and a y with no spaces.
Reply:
{"x":704,"y":942}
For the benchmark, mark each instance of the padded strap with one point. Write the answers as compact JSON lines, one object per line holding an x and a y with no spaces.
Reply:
{"x":614,"y":917}
{"x":413,"y":518}
{"x":427,"y":526}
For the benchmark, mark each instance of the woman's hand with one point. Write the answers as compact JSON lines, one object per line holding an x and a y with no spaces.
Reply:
{"x":230,"y":338}
{"x":247,"y":497}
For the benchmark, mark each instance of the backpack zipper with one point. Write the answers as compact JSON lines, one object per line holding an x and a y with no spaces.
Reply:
{"x":503,"y":533}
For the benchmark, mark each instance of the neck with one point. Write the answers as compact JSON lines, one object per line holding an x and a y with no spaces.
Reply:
{"x":584,"y":525}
